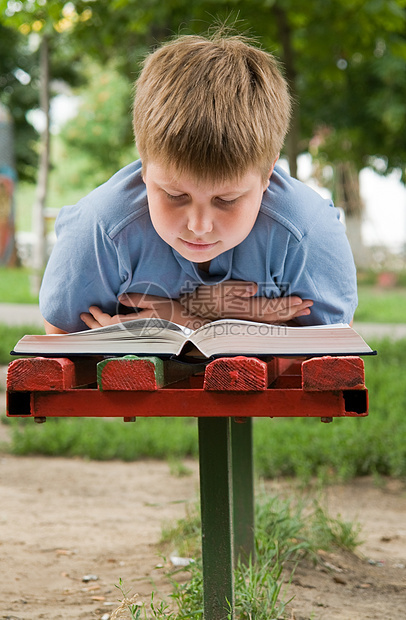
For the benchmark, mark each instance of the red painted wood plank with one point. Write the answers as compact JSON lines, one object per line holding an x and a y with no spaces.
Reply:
{"x":240,"y":374}
{"x":333,"y":373}
{"x":130,"y":373}
{"x":195,"y":403}
{"x":40,"y":374}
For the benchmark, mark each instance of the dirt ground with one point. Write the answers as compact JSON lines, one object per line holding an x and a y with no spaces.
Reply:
{"x":65,"y":520}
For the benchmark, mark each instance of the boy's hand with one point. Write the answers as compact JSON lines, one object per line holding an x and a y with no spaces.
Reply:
{"x":148,"y":306}
{"x":97,"y":318}
{"x":234,"y":299}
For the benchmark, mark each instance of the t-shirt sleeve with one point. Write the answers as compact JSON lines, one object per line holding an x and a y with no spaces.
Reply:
{"x":320,"y":267}
{"x":83,"y":270}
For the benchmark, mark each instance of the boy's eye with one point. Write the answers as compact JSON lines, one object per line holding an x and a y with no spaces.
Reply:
{"x":224,"y":202}
{"x":175,"y":197}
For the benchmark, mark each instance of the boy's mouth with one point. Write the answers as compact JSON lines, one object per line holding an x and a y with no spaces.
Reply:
{"x":199,"y":246}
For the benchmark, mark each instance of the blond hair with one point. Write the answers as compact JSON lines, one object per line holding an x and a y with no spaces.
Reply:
{"x":213,"y":107}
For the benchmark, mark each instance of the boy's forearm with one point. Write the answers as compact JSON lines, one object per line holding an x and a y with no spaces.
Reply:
{"x":51,"y":329}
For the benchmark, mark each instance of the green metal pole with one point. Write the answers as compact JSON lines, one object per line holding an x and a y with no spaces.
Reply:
{"x":243,"y":489}
{"x":216,"y":510}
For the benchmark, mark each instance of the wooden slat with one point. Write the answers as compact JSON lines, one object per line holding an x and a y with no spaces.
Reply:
{"x":333,"y":373}
{"x":143,"y":373}
{"x":130,"y":373}
{"x":239,"y":374}
{"x":40,"y":374}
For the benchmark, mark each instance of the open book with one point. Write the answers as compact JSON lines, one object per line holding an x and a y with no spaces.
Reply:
{"x":223,"y":337}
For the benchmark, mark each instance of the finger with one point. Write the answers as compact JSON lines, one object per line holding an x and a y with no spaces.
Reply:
{"x":97,"y":318}
{"x":304,"y":312}
{"x":290,"y":308}
{"x":292,"y":303}
{"x":89,"y":320}
{"x":101,"y":317}
{"x":293,"y":300}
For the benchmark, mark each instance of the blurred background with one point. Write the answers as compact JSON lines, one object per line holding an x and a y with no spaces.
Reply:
{"x":66,"y":76}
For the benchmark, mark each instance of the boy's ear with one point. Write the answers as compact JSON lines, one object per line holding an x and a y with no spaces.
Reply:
{"x":273,"y":165}
{"x":271,"y":170}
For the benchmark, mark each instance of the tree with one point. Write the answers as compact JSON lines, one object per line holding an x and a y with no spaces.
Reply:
{"x":102,"y":128}
{"x":45,"y":21}
{"x":19,"y":93}
{"x":344,"y":60}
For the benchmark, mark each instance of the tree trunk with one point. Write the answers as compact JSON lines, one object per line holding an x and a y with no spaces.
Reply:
{"x":347,"y":196}
{"x":285,"y":37}
{"x":38,"y":219}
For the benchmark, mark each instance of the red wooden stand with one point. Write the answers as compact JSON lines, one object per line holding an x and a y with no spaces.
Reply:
{"x":225,"y":395}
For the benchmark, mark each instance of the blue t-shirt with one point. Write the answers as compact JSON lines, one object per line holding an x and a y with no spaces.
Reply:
{"x":106,"y":246}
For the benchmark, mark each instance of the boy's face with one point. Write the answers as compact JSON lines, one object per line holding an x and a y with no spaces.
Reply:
{"x":202,"y":219}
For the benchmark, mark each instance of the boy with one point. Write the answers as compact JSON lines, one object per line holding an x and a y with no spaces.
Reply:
{"x":208,"y":225}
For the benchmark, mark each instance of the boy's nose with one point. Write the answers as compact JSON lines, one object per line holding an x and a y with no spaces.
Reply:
{"x":199,"y":222}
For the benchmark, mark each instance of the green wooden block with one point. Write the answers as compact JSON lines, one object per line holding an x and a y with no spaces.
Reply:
{"x":120,"y":373}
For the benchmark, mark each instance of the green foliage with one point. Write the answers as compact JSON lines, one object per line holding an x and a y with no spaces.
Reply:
{"x":15,"y":286}
{"x":23,"y":26}
{"x":9,"y":335}
{"x":99,"y":139}
{"x":344,"y":58}
{"x":379,"y":305}
{"x":19,"y":97}
{"x":178,"y":468}
{"x":127,"y":604}
{"x":327,"y":532}
{"x":259,"y":590}
{"x":67,"y":185}
{"x":107,"y":439}
{"x":184,"y":535}
{"x":286,"y":532}
{"x":159,"y":612}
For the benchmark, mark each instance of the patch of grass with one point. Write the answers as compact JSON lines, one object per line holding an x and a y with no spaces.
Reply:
{"x":178,"y":469}
{"x":15,"y":286}
{"x":127,"y":604}
{"x":184,"y":536}
{"x":380,"y":305}
{"x":328,"y":532}
{"x":286,"y":532}
{"x":9,"y":336}
{"x":372,"y":277}
{"x":98,"y":439}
